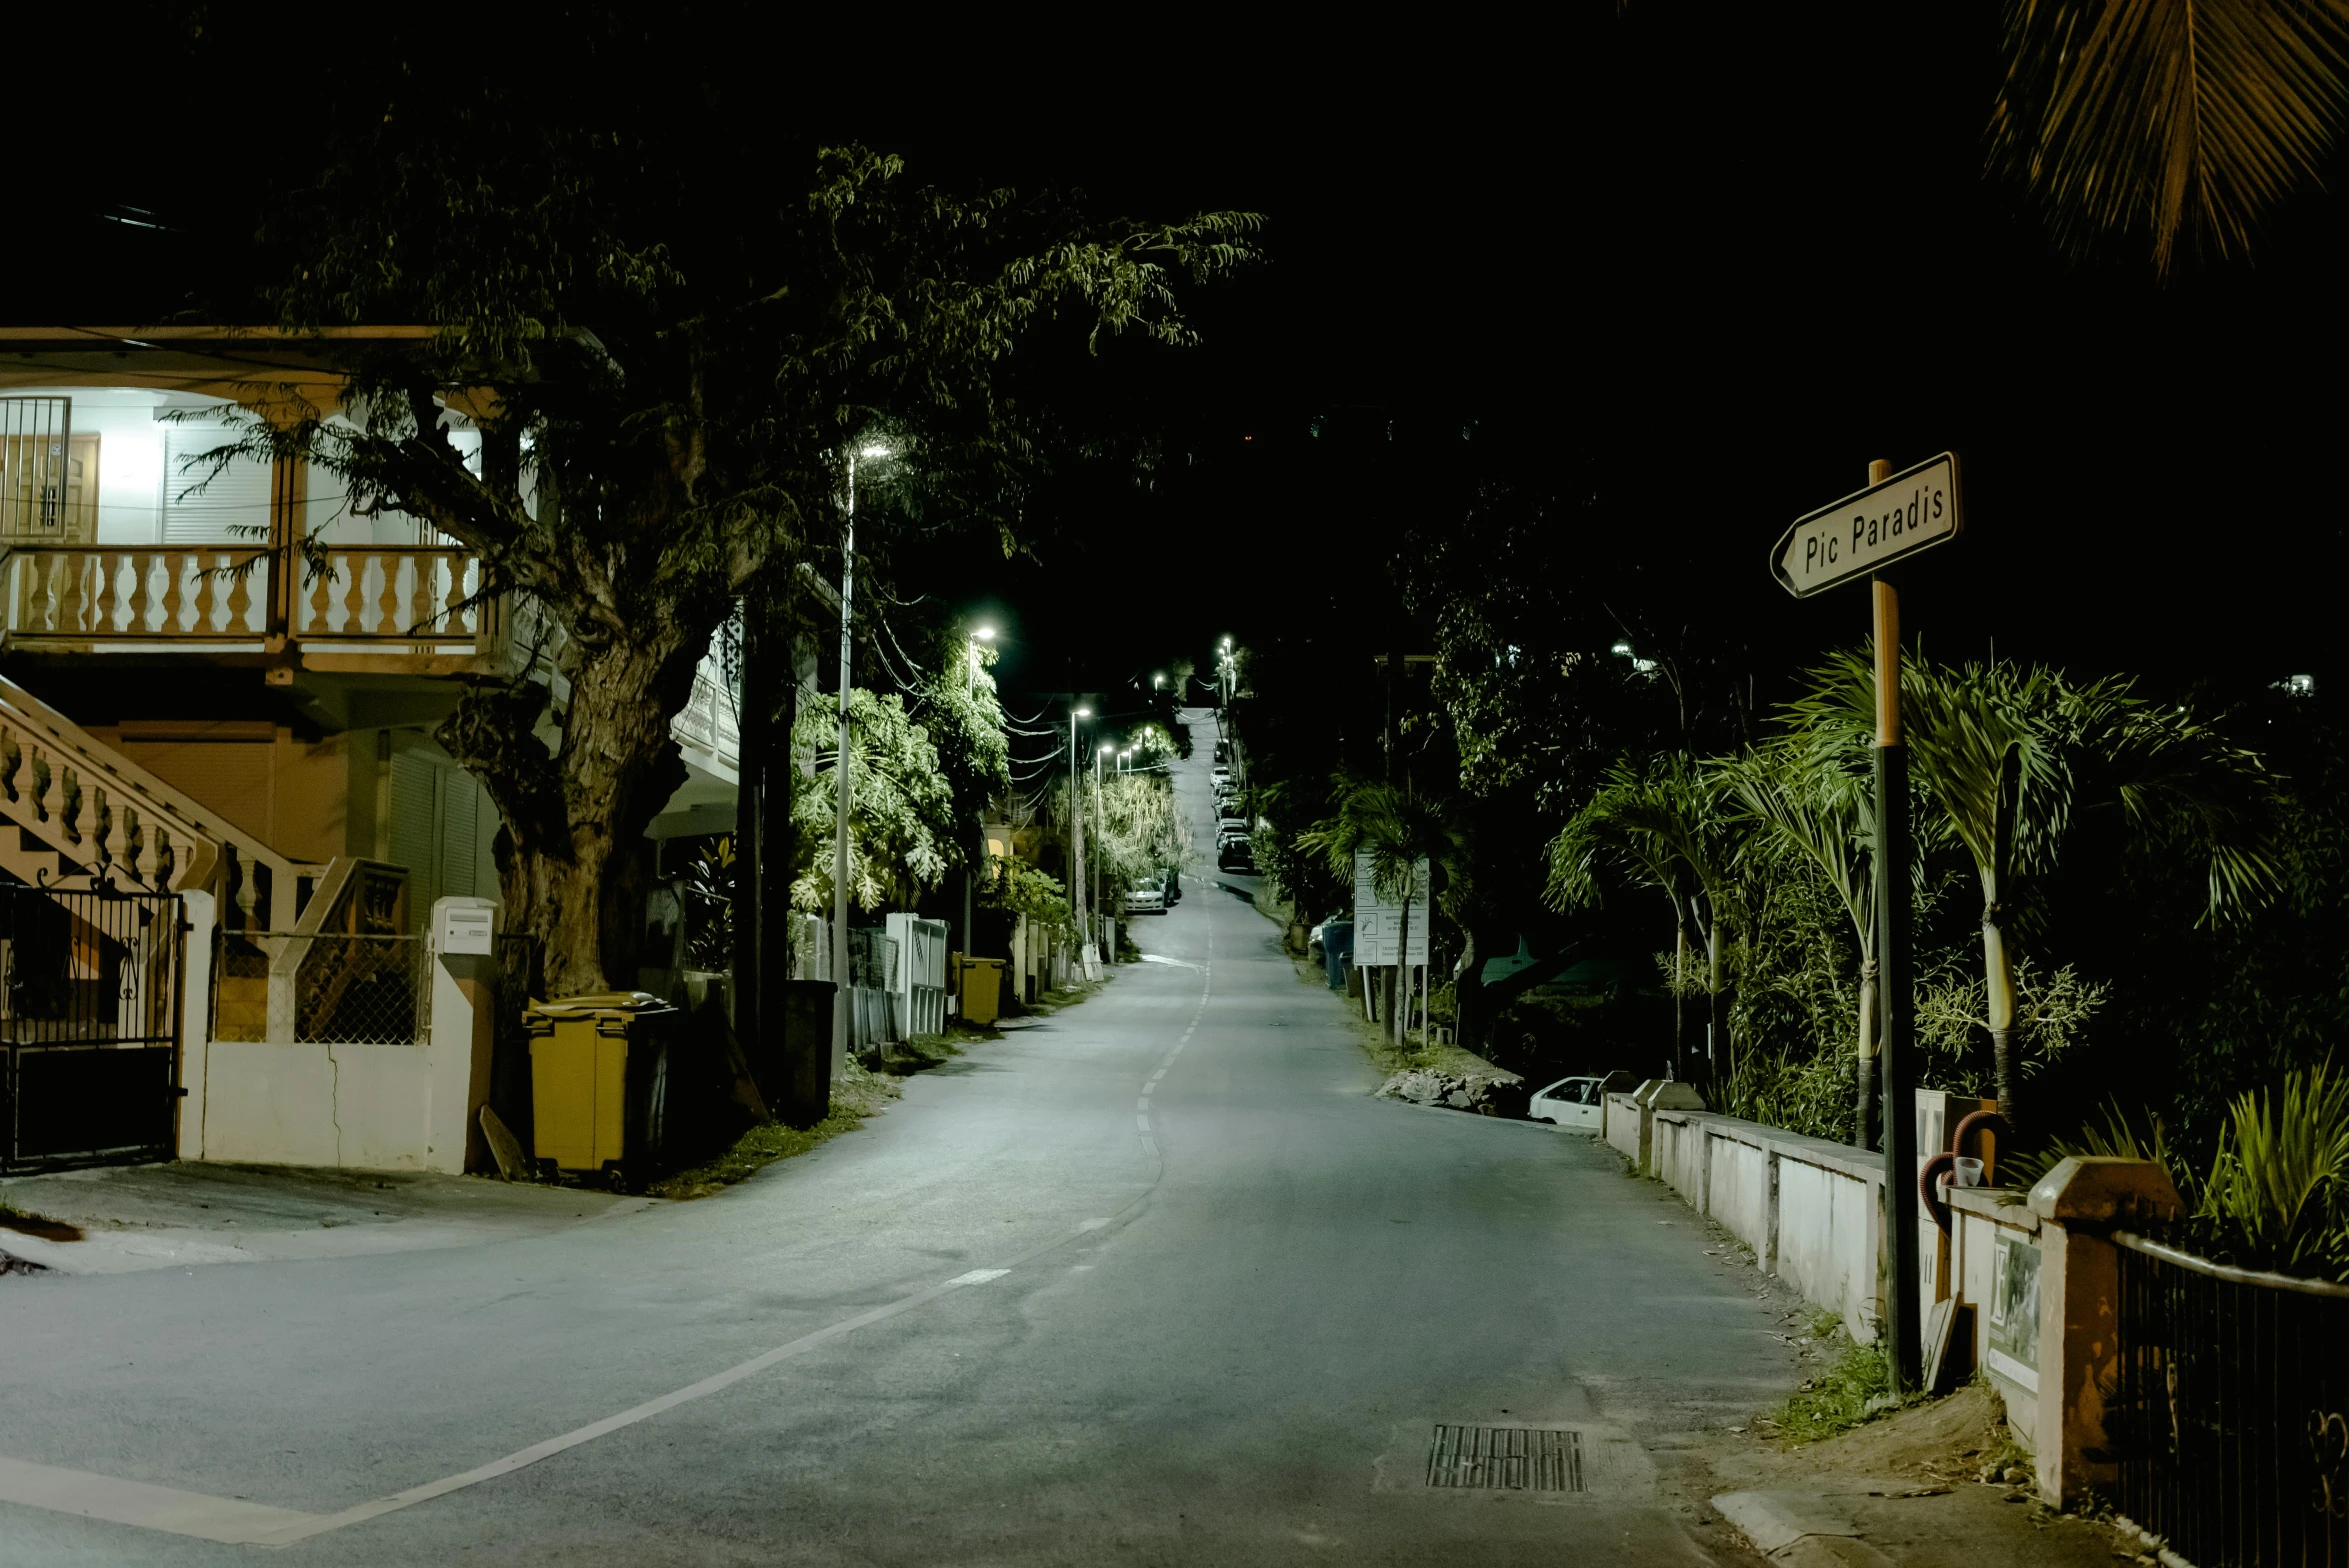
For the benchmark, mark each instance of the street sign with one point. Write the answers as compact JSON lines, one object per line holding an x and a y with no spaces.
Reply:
{"x":1378,"y":921}
{"x":1870,"y":529}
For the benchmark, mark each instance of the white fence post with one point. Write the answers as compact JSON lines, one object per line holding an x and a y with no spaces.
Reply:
{"x":462,"y":961}
{"x":197,"y":911}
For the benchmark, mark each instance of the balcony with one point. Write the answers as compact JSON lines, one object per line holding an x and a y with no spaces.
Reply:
{"x":417,"y":603}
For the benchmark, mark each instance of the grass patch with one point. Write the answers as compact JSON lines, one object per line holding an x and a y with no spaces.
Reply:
{"x":925,"y":1051}
{"x":859,"y":1094}
{"x":1854,"y":1391}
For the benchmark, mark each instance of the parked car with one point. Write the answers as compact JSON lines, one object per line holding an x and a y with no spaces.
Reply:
{"x":1237,"y":855}
{"x":1147,"y":897}
{"x":1231,"y":824}
{"x":1574,"y":1103}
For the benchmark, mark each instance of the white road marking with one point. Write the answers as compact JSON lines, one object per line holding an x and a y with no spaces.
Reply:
{"x":238,"y":1522}
{"x":228,"y":1519}
{"x":1143,"y":1122}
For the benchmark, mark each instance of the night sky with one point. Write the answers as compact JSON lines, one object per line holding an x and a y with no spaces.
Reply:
{"x":1687,"y":268}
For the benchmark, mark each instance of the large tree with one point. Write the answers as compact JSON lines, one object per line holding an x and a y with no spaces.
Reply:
{"x":668,"y":379}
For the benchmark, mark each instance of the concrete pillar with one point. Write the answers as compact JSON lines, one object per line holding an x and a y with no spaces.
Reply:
{"x":2079,"y":1204}
{"x":463,"y":1036}
{"x":200,"y":914}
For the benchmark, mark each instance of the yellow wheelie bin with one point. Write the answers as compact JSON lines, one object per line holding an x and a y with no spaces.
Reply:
{"x":599,"y":1078}
{"x":982,"y":989}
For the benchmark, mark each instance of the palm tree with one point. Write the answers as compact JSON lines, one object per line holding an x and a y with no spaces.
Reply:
{"x":1398,"y":828}
{"x":2004,"y":754}
{"x":1815,"y":808}
{"x":1660,"y":827}
{"x":2168,"y":117}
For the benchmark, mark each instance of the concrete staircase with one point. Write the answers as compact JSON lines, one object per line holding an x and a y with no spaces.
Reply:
{"x":75,"y":813}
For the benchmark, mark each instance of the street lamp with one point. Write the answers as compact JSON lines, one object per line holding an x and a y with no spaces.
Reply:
{"x":983,"y":634}
{"x":1076,"y":823}
{"x":841,"y":780}
{"x":1098,"y":819}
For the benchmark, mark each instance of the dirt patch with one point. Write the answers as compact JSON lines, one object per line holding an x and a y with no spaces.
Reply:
{"x":1943,"y":1442}
{"x":39,"y":1226}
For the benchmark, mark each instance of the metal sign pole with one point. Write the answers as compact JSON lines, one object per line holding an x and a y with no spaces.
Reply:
{"x":1894,"y":1011}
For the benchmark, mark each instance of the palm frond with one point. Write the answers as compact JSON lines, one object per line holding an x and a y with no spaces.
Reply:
{"x":2168,"y":118}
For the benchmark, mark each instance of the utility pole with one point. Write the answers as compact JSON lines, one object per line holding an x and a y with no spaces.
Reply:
{"x":1864,"y":534}
{"x":754,"y":722}
{"x":1894,"y":1003}
{"x":842,"y":782}
{"x":1076,"y":829}
{"x":1098,"y":818}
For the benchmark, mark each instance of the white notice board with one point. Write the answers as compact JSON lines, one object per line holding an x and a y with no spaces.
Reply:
{"x":1378,"y":922}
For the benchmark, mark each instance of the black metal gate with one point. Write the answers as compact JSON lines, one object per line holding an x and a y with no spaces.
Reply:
{"x":89,"y":1026}
{"x":2226,"y":1412}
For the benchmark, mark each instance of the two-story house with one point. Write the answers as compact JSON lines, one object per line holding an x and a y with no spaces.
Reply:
{"x":191,"y":704}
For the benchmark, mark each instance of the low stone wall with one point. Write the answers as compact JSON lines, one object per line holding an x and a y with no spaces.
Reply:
{"x":1810,"y":1209}
{"x":407,"y":1107}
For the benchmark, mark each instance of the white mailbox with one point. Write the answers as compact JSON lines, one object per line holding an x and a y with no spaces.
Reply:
{"x":465,"y":926}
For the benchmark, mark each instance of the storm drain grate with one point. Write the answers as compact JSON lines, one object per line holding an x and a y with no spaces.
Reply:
{"x":1505,"y":1459}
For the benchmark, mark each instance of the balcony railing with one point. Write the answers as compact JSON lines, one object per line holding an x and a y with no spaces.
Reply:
{"x":422,"y":598}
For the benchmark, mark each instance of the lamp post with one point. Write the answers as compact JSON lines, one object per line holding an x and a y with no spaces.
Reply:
{"x":1098,"y":819}
{"x":983,"y":634}
{"x":970,"y":873}
{"x":841,"y":780}
{"x":1076,"y":823}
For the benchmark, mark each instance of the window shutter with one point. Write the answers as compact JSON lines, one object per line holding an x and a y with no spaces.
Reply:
{"x":460,"y":821}
{"x":232,"y":507}
{"x":412,"y":812}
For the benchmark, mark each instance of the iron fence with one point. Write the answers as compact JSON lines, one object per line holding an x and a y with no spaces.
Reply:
{"x":2228,"y":1417}
{"x":872,"y":959}
{"x":342,"y":988}
{"x":89,"y":1024}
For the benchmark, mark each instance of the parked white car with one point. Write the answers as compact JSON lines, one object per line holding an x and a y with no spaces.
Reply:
{"x":1574,"y":1103}
{"x":1147,"y":898}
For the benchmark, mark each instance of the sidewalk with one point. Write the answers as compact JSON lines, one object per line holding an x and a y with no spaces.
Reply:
{"x":133,"y":1217}
{"x":1905,"y":1490}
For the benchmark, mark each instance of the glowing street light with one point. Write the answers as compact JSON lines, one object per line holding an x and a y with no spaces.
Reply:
{"x":983,"y":634}
{"x":871,"y":451}
{"x":1076,"y":826}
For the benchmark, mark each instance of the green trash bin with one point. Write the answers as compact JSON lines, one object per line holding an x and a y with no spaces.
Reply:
{"x":599,"y":1082}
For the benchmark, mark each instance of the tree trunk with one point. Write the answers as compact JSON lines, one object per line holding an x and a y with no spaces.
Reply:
{"x":1716,"y":1008}
{"x":1864,"y":1088}
{"x":1679,"y":997}
{"x":570,"y":854}
{"x":1468,"y":995}
{"x":1998,"y":974}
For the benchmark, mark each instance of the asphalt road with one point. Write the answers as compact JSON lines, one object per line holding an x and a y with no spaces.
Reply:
{"x":1236,"y":1295}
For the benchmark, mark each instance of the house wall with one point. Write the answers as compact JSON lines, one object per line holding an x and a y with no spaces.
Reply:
{"x":135,"y":426}
{"x":289,"y":791}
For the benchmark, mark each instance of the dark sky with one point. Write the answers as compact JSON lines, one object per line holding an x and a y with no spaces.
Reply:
{"x":1690,"y":265}
{"x":1700,"y":264}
